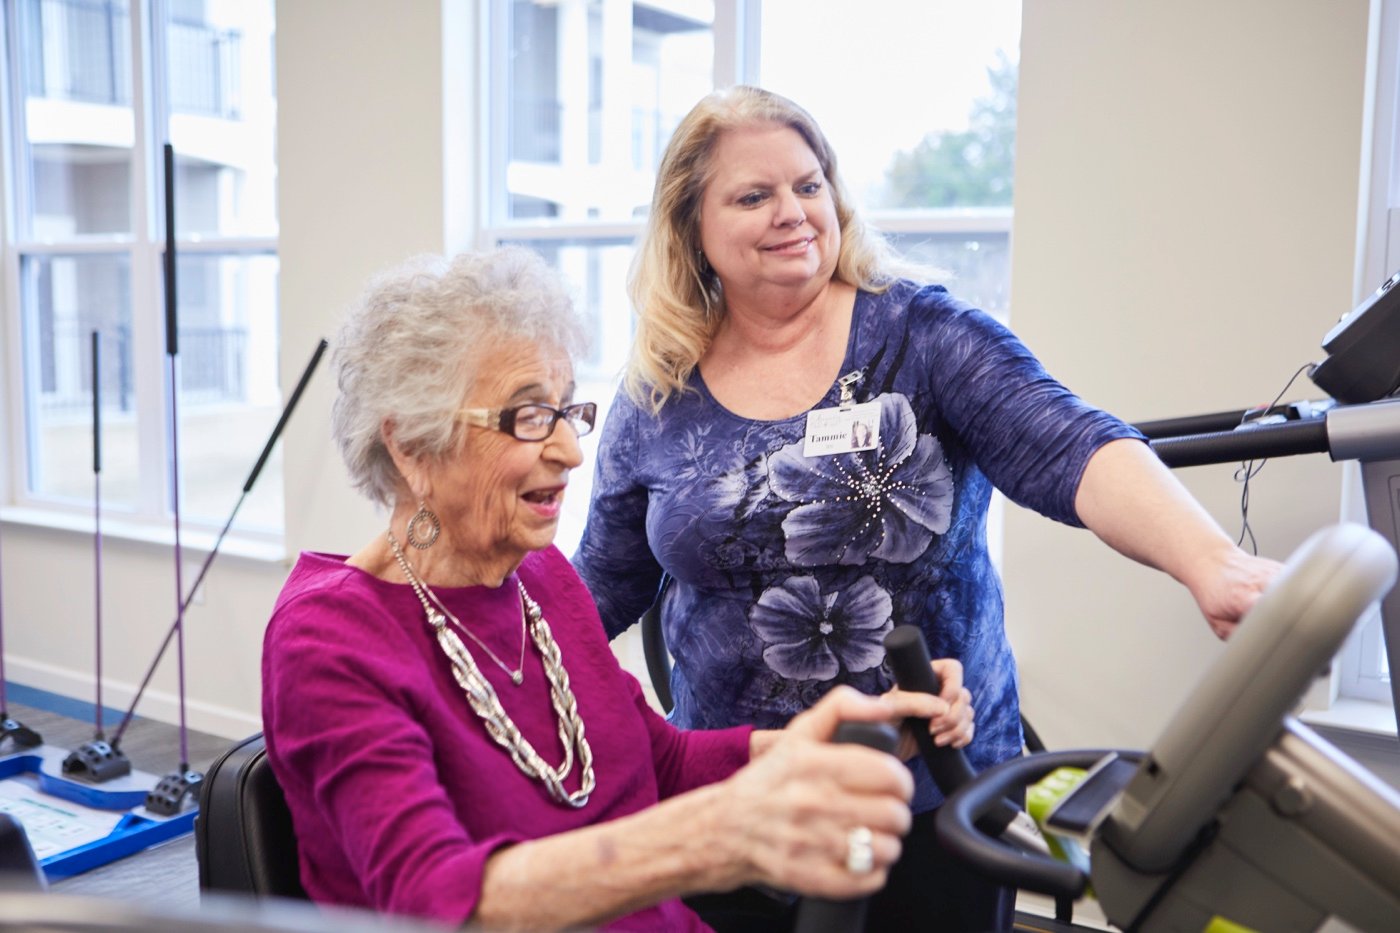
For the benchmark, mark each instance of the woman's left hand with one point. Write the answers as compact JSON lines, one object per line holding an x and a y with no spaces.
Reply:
{"x":949,"y":715}
{"x":1230,"y":586}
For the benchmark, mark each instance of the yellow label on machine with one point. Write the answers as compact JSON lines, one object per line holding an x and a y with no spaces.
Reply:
{"x":1041,"y":798}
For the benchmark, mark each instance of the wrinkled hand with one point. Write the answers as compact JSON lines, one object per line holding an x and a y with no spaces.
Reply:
{"x":789,"y":812}
{"x":950,"y":714}
{"x":1228,"y":586}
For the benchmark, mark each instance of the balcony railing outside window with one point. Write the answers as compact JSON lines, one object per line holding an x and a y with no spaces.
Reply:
{"x":68,"y":390}
{"x":212,"y":365}
{"x":534,"y":130}
{"x":211,"y":368}
{"x":81,"y":52}
{"x":204,"y":70}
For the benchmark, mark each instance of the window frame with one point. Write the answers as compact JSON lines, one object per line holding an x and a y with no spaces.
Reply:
{"x":144,"y":246}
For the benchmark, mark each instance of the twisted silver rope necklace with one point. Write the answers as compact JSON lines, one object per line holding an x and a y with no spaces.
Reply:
{"x":487,"y":704}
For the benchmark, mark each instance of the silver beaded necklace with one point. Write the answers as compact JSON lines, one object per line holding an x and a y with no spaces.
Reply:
{"x":487,"y":704}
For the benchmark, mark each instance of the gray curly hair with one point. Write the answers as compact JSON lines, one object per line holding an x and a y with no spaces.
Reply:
{"x":404,"y":352}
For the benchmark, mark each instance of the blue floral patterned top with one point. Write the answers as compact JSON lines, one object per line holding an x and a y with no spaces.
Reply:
{"x":789,"y":570}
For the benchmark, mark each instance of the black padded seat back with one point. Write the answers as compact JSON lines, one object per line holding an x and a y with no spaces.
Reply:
{"x":19,"y":868}
{"x":243,"y":833}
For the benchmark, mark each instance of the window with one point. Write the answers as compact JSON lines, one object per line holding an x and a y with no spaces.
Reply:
{"x":584,"y":94}
{"x":1365,"y":669}
{"x":1366,"y":662}
{"x":95,"y":89}
{"x":925,"y":143}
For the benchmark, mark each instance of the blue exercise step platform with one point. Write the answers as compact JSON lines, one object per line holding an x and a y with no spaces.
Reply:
{"x":76,"y":825}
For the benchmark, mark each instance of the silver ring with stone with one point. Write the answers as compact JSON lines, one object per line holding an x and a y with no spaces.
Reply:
{"x":860,"y":853}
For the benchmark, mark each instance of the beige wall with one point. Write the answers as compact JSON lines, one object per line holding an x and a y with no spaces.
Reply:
{"x":1186,"y":207}
{"x":360,"y":142}
{"x":1185,"y":233}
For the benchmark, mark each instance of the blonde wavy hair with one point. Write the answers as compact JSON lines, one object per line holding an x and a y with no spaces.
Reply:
{"x":676,"y":295}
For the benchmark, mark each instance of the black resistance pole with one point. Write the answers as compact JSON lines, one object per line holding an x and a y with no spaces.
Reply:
{"x":97,"y":760}
{"x":97,"y":517}
{"x":213,"y":552}
{"x":171,"y":791}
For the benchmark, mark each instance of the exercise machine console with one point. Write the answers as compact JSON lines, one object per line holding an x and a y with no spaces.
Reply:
{"x":1238,"y":813}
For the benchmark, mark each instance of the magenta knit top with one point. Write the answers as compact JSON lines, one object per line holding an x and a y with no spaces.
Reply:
{"x":397,"y":793}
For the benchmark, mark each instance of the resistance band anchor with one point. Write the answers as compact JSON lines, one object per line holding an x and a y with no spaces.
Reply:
{"x":18,"y":733}
{"x":173,"y":792}
{"x":96,"y":761}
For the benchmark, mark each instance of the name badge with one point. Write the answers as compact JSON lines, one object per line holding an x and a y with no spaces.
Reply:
{"x":843,"y":430}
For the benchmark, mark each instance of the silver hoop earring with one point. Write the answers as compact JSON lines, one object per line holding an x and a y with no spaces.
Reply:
{"x":423,"y":528}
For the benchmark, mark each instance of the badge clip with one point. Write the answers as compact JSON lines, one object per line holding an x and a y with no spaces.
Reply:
{"x":844,"y":384}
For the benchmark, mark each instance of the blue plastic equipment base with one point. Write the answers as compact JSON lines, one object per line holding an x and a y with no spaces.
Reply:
{"x":137,"y":829}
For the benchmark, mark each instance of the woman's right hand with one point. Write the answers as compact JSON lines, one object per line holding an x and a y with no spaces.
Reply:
{"x":788,"y":815}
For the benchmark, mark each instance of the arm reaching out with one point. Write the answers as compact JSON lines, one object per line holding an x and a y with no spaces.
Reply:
{"x":1136,"y":506}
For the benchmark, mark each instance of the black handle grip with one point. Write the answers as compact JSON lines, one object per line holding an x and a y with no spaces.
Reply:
{"x":96,"y":405}
{"x":959,"y":825}
{"x":821,"y":914}
{"x":1214,"y":422}
{"x":907,"y":655}
{"x":171,"y":339}
{"x":1252,"y":443}
{"x":877,"y":735}
{"x":286,"y":413}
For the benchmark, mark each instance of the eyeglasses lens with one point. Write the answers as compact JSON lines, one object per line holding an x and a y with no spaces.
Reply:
{"x":581,"y":416}
{"x":536,"y":422}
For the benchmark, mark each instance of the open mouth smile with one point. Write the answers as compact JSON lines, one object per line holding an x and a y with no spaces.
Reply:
{"x":544,"y":496}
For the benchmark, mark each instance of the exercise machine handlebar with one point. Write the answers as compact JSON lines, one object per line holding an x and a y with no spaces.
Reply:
{"x":825,"y":915}
{"x":1368,"y":431}
{"x":907,"y":655}
{"x":960,"y":825}
{"x":1246,"y":443}
{"x":908,"y":658}
{"x":1221,"y":420}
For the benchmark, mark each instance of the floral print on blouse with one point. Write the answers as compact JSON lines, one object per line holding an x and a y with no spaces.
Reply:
{"x":789,"y":570}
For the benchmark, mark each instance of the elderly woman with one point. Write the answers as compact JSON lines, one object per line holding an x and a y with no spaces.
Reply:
{"x":807,"y":444}
{"x":452,"y":731}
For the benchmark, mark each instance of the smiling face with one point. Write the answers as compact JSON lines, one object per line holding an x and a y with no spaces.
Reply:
{"x":500,"y":498}
{"x":767,"y":218}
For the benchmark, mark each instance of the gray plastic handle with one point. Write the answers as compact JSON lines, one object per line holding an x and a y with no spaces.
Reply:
{"x":1237,"y":709}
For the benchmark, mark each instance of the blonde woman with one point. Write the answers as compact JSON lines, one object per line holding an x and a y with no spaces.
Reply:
{"x":771,"y":326}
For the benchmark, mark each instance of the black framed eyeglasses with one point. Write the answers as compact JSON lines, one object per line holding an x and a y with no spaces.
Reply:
{"x":533,"y":422}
